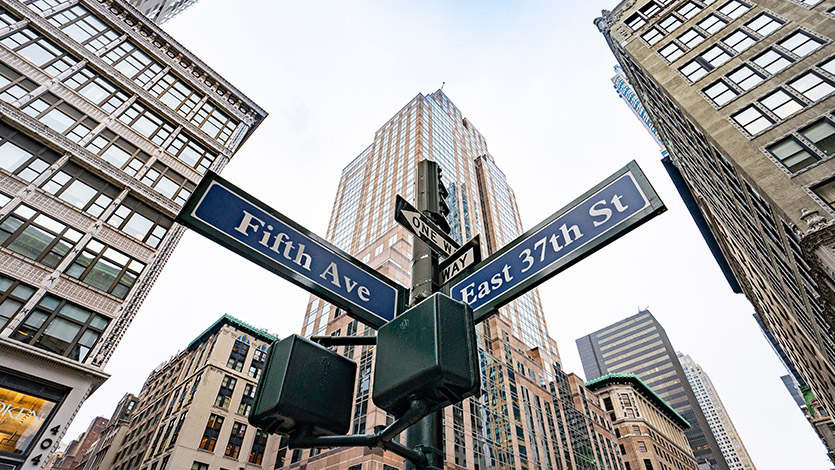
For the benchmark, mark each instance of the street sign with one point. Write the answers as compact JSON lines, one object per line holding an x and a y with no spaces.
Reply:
{"x":466,"y":256}
{"x":229,"y":216}
{"x":423,"y":228}
{"x":606,"y":212}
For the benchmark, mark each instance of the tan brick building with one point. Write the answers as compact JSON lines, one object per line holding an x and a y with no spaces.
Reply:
{"x":192,"y":411}
{"x":650,"y":433}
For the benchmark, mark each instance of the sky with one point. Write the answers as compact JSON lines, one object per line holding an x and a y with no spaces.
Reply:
{"x":534,"y":78}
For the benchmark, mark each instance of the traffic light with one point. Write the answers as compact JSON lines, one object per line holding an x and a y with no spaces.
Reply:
{"x":429,"y":352}
{"x":305,"y":389}
{"x":434,"y":193}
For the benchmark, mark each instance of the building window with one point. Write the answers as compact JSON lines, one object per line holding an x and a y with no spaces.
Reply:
{"x":60,"y":116}
{"x":37,"y":236}
{"x":745,"y":77}
{"x":224,"y":395}
{"x":13,"y":85}
{"x":132,"y":63}
{"x":22,"y":156}
{"x":176,"y":94}
{"x":62,"y":328}
{"x":812,"y":86}
{"x":238,"y":356}
{"x":40,"y":52}
{"x":78,"y":23}
{"x":213,"y":426}
{"x":691,"y":38}
{"x":693,"y":70}
{"x":635,"y":21}
{"x":199,"y":466}
{"x":140,"y":221}
{"x":168,"y":182}
{"x":734,"y":9}
{"x":81,"y":189}
{"x":712,"y":24}
{"x":247,"y":399}
{"x":826,"y":191}
{"x":258,"y":447}
{"x":801,"y":43}
{"x":689,"y":10}
{"x":191,"y":153}
{"x":671,"y":52}
{"x":670,"y":23}
{"x":214,"y":122}
{"x":104,"y":268}
{"x":146,"y":122}
{"x":822,"y":135}
{"x":13,"y":294}
{"x":720,"y":93}
{"x":764,"y":24}
{"x":739,"y":41}
{"x":652,"y":36}
{"x":642,"y":446}
{"x":236,"y":438}
{"x":781,"y":104}
{"x":772,"y":61}
{"x":7,"y":19}
{"x":793,"y":155}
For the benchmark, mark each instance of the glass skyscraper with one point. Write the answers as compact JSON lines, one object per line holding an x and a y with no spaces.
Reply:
{"x":525,"y":417}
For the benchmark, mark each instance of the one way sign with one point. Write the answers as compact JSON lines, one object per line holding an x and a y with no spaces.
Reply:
{"x":423,"y":228}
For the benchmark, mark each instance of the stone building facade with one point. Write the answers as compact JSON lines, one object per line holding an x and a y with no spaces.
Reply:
{"x":192,"y":411}
{"x":106,"y":126}
{"x":649,"y":431}
{"x":741,"y":93}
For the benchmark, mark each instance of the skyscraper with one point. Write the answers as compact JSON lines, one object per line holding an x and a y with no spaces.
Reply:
{"x":106,"y":126}
{"x":639,"y":345}
{"x":740,"y":93}
{"x":526,"y":416}
{"x":717,"y":416}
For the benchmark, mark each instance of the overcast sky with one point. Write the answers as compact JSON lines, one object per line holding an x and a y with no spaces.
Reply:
{"x":534,"y":78}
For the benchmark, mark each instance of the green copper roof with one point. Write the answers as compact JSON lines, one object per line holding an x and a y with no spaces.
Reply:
{"x":227,"y":319}
{"x":639,"y":385}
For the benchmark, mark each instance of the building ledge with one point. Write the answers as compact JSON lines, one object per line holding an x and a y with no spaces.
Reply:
{"x":95,"y":374}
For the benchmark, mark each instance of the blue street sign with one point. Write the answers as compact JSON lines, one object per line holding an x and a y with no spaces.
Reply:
{"x":250,"y":228}
{"x":609,"y":210}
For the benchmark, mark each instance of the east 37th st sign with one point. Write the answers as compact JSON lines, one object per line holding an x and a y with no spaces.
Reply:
{"x":229,"y":216}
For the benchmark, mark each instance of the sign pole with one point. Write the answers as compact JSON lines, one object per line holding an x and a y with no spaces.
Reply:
{"x":425,"y":435}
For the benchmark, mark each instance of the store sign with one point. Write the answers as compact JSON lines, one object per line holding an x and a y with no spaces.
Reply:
{"x":21,"y":417}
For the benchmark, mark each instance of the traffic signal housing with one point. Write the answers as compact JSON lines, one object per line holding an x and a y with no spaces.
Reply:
{"x":434,"y":194}
{"x":429,"y":352}
{"x":306,"y":389}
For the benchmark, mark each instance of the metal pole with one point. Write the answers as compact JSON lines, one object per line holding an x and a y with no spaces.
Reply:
{"x":425,"y":435}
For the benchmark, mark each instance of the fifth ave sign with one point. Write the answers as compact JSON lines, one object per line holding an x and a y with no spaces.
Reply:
{"x":615,"y":206}
{"x":229,"y":216}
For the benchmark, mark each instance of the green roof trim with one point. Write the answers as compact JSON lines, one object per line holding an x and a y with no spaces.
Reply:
{"x":227,"y":319}
{"x":642,"y":387}
{"x":808,"y":396}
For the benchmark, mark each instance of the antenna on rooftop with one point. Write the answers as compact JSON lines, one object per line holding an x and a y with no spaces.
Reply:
{"x":442,"y":85}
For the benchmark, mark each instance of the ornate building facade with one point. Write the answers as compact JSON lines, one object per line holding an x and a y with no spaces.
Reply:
{"x":741,"y":93}
{"x":106,"y":126}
